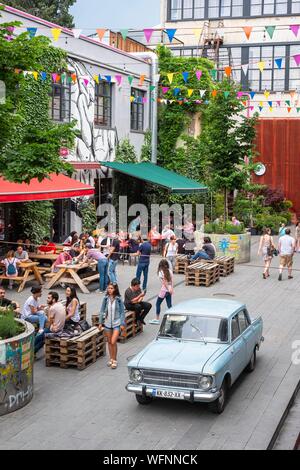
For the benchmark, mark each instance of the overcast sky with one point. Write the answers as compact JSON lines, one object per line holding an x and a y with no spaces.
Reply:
{"x":116,"y":14}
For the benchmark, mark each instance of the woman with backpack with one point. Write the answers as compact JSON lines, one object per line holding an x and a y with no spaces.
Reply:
{"x":266,"y":247}
{"x":11,"y":267}
{"x":165,"y":275}
{"x":112,"y":320}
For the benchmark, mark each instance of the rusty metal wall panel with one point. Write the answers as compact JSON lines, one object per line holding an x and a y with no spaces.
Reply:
{"x":278,"y":143}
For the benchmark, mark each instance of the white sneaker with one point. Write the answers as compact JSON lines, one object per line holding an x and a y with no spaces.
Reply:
{"x":154,"y":322}
{"x":41,"y":331}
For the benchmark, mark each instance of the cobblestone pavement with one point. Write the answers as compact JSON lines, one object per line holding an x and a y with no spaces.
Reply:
{"x":91,"y":409}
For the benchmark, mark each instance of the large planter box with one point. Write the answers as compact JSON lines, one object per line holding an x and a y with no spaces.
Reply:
{"x":238,"y":246}
{"x":16,"y":370}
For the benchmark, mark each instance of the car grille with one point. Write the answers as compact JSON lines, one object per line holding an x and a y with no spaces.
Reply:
{"x":170,"y":379}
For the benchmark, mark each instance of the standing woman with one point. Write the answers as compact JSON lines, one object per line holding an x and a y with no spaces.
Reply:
{"x":297,"y":236}
{"x":72,"y":307}
{"x":165,"y":275}
{"x":170,"y":252}
{"x":266,"y":247}
{"x":112,"y":319}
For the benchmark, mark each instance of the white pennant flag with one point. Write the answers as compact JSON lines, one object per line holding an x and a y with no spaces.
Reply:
{"x":202,"y":93}
{"x":77,"y":33}
{"x":245,"y":68}
{"x":157,"y":77}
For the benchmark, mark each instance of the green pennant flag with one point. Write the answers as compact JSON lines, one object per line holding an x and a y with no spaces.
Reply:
{"x":288,"y":103}
{"x":124,"y":33}
{"x":70,"y":80}
{"x":152,"y":87}
{"x":63,"y":77}
{"x":270,"y":30}
{"x":213,"y":74}
{"x":226,"y":94}
{"x":298,"y":109}
{"x":130,"y":79}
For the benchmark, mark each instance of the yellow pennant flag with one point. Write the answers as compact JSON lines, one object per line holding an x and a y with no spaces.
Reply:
{"x":267,"y":94}
{"x":35,"y":74}
{"x":271,"y":108}
{"x":96,"y":79}
{"x":131,"y":99}
{"x":261,"y":104}
{"x":197,"y":33}
{"x":261,"y":66}
{"x":56,"y":32}
{"x":170,"y":77}
{"x":190,"y":92}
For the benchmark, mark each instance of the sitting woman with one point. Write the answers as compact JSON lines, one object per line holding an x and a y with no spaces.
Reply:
{"x":208,"y":251}
{"x":11,"y":267}
{"x":72,"y":307}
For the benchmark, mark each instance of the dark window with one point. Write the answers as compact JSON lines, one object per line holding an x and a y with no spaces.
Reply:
{"x":235,"y":329}
{"x":103,"y":104}
{"x":244,"y":321}
{"x":60,"y":102}
{"x":137,"y":110}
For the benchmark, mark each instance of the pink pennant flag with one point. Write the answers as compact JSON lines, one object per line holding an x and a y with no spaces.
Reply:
{"x":54,"y":77}
{"x":295,"y":29}
{"x":119,"y":79}
{"x":86,"y":81}
{"x":297,"y":59}
{"x":198,"y":74}
{"x":148,"y":34}
{"x":165,"y":89}
{"x":278,"y":103}
{"x":145,"y":100}
{"x":251,"y":108}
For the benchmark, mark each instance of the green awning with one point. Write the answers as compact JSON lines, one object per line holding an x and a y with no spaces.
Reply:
{"x":157,"y":175}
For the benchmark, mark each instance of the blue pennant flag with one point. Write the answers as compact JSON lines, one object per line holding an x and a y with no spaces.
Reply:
{"x":171,"y":33}
{"x":260,"y":108}
{"x":185,"y":76}
{"x":108,"y":78}
{"x":176,"y":91}
{"x":278,"y":63}
{"x":270,"y":103}
{"x":252,"y":94}
{"x":32,"y":32}
{"x":43,"y":76}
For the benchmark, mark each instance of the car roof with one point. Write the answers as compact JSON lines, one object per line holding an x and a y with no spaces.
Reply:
{"x":216,"y":307}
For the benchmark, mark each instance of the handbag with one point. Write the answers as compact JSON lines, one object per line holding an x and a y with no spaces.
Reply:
{"x":84,"y":325}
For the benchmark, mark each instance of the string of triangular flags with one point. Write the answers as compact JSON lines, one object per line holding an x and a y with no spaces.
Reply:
{"x":148,"y":32}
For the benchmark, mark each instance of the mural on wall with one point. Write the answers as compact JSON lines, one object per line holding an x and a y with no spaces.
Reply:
{"x":93,"y":144}
{"x":16,"y":374}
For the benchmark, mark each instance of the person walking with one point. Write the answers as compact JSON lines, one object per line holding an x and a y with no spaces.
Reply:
{"x":144,"y":252}
{"x":297,"y":236}
{"x":282,"y":230}
{"x":167,"y":289}
{"x":134,"y":301}
{"x":112,"y":320}
{"x":171,"y":251}
{"x":266,"y":248}
{"x":286,"y":248}
{"x":113,"y":258}
{"x":32,"y":311}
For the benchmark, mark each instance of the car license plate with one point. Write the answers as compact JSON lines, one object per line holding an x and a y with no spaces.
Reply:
{"x":160,"y":393}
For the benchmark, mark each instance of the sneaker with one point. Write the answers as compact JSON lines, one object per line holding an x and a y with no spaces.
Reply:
{"x":63,"y":285}
{"x":291,"y":277}
{"x":99,"y":291}
{"x":41,"y":331}
{"x":154,"y":322}
{"x":280,"y":277}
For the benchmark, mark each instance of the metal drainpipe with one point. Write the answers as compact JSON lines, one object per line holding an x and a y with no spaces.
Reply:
{"x":154,"y":72}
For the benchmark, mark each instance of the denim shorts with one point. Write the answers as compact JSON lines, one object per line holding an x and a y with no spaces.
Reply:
{"x":110,"y":330}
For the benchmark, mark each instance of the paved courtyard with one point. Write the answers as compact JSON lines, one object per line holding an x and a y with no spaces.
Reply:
{"x":91,"y":409}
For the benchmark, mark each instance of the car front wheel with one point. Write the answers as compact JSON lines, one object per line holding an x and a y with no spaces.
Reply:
{"x":218,"y":406}
{"x":251,"y":366}
{"x":142,"y":400}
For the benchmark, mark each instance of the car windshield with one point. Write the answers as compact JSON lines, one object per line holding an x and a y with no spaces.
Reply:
{"x":195,"y":328}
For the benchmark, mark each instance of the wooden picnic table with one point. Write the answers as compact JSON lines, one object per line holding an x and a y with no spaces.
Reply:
{"x":68,"y":274}
{"x":44,"y":256}
{"x":30,"y":273}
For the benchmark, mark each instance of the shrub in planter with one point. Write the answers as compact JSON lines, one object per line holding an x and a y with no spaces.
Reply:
{"x":224,"y":228}
{"x":8,"y":325}
{"x":271,"y":221}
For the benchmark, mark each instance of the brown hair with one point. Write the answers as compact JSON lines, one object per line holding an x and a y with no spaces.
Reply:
{"x":10,"y":254}
{"x":165,"y":268}
{"x":116,"y":292}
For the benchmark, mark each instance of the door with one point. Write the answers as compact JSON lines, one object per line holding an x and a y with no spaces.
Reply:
{"x":237,"y":349}
{"x":247,"y":332}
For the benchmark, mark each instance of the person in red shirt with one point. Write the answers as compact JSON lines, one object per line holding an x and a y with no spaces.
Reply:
{"x":47,"y":246}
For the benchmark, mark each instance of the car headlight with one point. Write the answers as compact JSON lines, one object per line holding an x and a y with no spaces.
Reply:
{"x":136,"y":375}
{"x":205,"y":382}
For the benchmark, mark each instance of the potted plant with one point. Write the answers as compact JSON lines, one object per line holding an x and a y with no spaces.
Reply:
{"x":16,"y":362}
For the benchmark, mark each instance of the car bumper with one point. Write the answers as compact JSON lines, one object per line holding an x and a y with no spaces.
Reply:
{"x":189,"y":395}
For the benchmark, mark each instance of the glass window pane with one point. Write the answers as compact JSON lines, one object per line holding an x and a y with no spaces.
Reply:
{"x":295,"y":7}
{"x":199,"y":13}
{"x":281,"y":7}
{"x":187,"y":13}
{"x":256,"y":7}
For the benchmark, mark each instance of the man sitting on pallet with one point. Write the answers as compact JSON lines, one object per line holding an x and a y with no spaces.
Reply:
{"x":134,"y":301}
{"x":56,"y":318}
{"x":207,"y":252}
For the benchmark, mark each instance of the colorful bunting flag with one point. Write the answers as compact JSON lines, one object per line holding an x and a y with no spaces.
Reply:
{"x":197,"y":33}
{"x":152,"y":87}
{"x":245,"y":69}
{"x":132,"y":99}
{"x":202,"y":93}
{"x":86,"y":81}
{"x":267,"y":94}
{"x":227,"y":71}
{"x":35,"y":74}
{"x":298,"y":109}
{"x":292,"y":93}
{"x":119,"y":79}
{"x":270,"y":30}
{"x":198,"y":74}
{"x":74,"y":77}
{"x":101,"y":33}
{"x":261,"y":66}
{"x":185,"y":76}
{"x":130,"y":79}
{"x":108,"y":78}
{"x":289,"y":109}
{"x":278,"y":62}
{"x":142,"y":79}
{"x":260,"y":108}
{"x":226,"y":94}
{"x":77,"y":33}
{"x":96,"y":79}
{"x":170,"y":77}
{"x":176,"y":91}
{"x":148,"y":34}
{"x":165,"y":89}
{"x":252,"y":94}
{"x":278,"y":103}
{"x":56,"y":32}
{"x":171,"y":33}
{"x":43,"y":76}
{"x":248,"y":31}
{"x":54,"y":77}
{"x":295,"y":29}
{"x":124,"y":33}
{"x":213,"y":74}
{"x":214,"y":93}
{"x":190,"y":92}
{"x":270,"y":103}
{"x":32,"y":32}
{"x":288,"y":103}
{"x":297,"y":59}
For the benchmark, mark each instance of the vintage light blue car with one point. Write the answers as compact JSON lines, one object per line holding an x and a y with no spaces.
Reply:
{"x":202,"y":347}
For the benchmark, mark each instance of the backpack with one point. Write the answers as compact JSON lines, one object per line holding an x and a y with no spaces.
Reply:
{"x":11,"y":269}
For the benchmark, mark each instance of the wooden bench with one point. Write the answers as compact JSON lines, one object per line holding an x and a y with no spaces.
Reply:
{"x":79,"y":352}
{"x":131,"y":329}
{"x":202,"y":274}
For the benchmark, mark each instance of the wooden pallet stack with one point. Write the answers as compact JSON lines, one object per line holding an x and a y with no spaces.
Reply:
{"x":182,"y":262}
{"x":78,"y":352}
{"x":83,"y":310}
{"x":226,"y":264}
{"x":131,"y":329}
{"x":202,"y":274}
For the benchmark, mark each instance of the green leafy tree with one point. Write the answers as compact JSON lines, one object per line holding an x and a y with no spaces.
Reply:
{"x":228,"y":139}
{"x":146,"y":148}
{"x":56,"y":11}
{"x":89,"y":216}
{"x":30,"y":141}
{"x":125,"y":152}
{"x":35,"y":220}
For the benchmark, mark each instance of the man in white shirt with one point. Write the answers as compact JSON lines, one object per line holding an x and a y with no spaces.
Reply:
{"x":286,"y":247}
